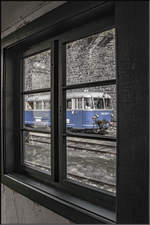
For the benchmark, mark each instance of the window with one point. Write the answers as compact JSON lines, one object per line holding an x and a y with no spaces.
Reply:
{"x":87,"y":103}
{"x":37,"y":114}
{"x":87,"y":150}
{"x":89,"y":146}
{"x":99,"y":103}
{"x":69,"y":104}
{"x":46,"y":104}
{"x":108,"y":103}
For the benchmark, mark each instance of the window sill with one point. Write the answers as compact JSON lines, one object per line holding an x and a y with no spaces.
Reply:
{"x":74,"y":209}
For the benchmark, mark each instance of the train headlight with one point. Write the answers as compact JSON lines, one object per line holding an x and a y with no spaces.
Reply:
{"x":38,"y":119}
{"x":67,"y":121}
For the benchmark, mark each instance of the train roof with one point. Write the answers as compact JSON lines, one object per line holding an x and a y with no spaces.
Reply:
{"x":88,"y":95}
{"x":71,"y":95}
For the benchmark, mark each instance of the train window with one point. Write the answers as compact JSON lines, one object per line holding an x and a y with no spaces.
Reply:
{"x":37,"y":68}
{"x":79,"y":103}
{"x":107,"y":103}
{"x":46,"y":104}
{"x":30,"y":105}
{"x":88,"y":103}
{"x":98,"y":103}
{"x":69,"y":104}
{"x":76,"y":103}
{"x":38,"y":105}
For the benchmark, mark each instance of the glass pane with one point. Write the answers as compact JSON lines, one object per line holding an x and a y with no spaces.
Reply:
{"x":91,"y":59}
{"x":37,"y":110}
{"x":37,"y":71}
{"x":37,"y":150}
{"x":92,"y":163}
{"x":95,"y":112}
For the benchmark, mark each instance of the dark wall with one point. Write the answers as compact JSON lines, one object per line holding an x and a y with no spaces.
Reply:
{"x":133,"y":112}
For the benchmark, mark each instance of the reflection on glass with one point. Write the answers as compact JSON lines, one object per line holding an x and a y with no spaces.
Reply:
{"x":37,"y":152}
{"x":37,"y":110}
{"x":92,"y":110}
{"x":92,"y":163}
{"x":37,"y":71}
{"x":91,"y":59}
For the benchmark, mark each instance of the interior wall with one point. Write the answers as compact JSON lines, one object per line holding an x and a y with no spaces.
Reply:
{"x":22,"y":13}
{"x":18,"y":209}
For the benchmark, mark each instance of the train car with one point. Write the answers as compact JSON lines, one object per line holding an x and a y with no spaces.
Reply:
{"x":37,"y":111}
{"x":86,"y":109}
{"x":83,"y":110}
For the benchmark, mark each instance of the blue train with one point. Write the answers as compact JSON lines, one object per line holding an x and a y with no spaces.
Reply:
{"x":85,"y":110}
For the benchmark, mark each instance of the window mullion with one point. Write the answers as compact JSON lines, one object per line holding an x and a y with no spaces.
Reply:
{"x":62,"y":112}
{"x":54,"y":112}
{"x":36,"y":91}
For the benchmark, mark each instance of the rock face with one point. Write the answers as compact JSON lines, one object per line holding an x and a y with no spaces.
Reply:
{"x":91,"y":59}
{"x":87,"y":60}
{"x":37,"y":71}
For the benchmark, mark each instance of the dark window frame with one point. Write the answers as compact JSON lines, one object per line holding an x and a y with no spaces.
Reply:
{"x":58,"y":159}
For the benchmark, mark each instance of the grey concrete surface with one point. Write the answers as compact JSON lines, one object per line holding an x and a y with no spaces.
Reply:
{"x":18,"y":209}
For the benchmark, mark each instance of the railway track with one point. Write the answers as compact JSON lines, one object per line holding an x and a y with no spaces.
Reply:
{"x":71,"y":176}
{"x":91,"y":180}
{"x":77,"y":144}
{"x":102,"y":148}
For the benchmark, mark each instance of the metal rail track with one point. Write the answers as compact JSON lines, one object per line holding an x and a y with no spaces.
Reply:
{"x":83,"y":148}
{"x":91,"y":180}
{"x":91,"y":150}
{"x":77,"y":177}
{"x":79,"y":148}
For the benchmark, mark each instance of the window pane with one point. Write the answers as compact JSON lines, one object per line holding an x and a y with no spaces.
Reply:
{"x":37,"y":150}
{"x":97,"y":114}
{"x":37,"y":71}
{"x":46,"y":104}
{"x":37,"y":110}
{"x":91,"y":59}
{"x":92,"y":163}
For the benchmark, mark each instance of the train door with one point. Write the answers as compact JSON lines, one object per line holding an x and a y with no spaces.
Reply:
{"x":28,"y":113}
{"x":77,"y":113}
{"x":88,"y":113}
{"x":69,"y":117}
{"x":74,"y":113}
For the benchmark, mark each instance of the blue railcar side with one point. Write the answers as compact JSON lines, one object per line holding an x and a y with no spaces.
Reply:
{"x":37,"y":117}
{"x":80,"y":119}
{"x":83,"y":118}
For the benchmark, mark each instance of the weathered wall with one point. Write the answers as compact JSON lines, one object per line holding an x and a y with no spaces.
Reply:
{"x":19,"y":209}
